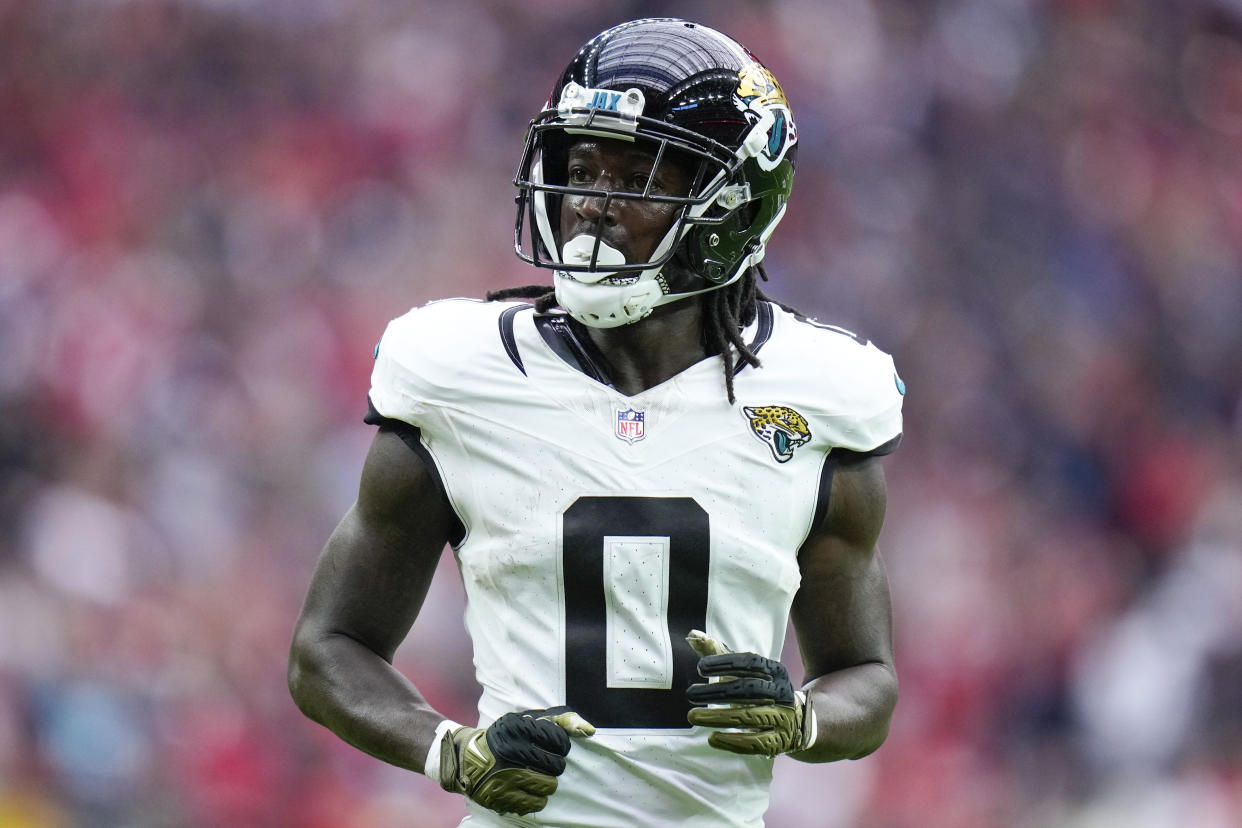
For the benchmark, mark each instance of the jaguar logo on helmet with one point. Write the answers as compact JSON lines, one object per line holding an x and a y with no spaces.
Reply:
{"x":763,"y":101}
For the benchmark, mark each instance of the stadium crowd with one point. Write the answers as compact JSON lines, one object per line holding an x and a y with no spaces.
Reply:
{"x":209,"y":209}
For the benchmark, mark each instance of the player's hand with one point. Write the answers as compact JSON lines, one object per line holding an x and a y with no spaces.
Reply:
{"x":753,"y":701}
{"x":511,"y":765}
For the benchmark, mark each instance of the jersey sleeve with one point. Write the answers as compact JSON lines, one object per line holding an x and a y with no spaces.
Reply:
{"x":854,"y":394}
{"x":420,"y":358}
{"x":445,"y":354}
{"x":398,"y":386}
{"x":871,"y":420}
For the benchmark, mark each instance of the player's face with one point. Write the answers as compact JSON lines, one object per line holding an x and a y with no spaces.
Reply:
{"x":633,"y":226}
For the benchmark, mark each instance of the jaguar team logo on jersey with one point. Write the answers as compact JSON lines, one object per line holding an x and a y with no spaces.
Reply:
{"x":631,"y":425}
{"x":779,"y":428}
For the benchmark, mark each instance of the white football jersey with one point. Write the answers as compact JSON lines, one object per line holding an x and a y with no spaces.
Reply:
{"x":600,"y":528}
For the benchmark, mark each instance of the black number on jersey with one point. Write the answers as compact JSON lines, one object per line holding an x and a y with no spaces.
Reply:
{"x":586,"y":524}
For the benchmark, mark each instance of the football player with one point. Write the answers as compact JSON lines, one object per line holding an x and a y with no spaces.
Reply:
{"x":645,"y":469}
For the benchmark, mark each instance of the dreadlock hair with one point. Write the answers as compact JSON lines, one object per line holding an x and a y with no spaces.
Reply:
{"x":726,"y":312}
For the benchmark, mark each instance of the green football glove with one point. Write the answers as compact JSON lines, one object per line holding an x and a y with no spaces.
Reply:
{"x":752,"y":700}
{"x":511,"y":766}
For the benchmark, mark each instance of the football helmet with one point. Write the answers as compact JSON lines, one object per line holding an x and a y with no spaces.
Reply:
{"x":691,"y":96}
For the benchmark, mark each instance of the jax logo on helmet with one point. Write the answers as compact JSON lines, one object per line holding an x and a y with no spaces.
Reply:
{"x":603,"y":99}
{"x":581,"y":105}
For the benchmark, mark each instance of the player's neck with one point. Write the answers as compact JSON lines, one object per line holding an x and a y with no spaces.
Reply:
{"x":644,"y":354}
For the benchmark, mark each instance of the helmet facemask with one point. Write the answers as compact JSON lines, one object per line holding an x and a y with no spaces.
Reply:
{"x":616,"y":291}
{"x":705,"y":104}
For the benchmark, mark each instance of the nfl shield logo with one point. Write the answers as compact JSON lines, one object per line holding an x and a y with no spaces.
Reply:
{"x":631,"y":425}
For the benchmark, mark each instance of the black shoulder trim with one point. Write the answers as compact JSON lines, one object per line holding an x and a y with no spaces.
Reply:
{"x":412,"y":436}
{"x":825,"y":490}
{"x":765,"y":318}
{"x":559,"y":334}
{"x":851,"y":456}
{"x":508,"y":338}
{"x":373,"y":417}
{"x":843,"y":457}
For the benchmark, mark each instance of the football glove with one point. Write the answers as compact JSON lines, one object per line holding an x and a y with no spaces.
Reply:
{"x":511,"y":765}
{"x":751,"y":698}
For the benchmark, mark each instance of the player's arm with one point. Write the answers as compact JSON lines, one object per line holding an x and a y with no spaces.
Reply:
{"x":366,"y":591}
{"x":842,"y":615}
{"x":843,"y":621}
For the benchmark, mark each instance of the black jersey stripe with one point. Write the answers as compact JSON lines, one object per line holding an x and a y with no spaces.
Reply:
{"x":841,"y":457}
{"x":849,"y":455}
{"x":825,"y":491}
{"x":559,"y":334}
{"x":412,"y":436}
{"x":508,"y":338}
{"x":763,"y":333}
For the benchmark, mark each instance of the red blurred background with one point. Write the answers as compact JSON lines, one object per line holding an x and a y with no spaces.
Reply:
{"x":210,"y":208}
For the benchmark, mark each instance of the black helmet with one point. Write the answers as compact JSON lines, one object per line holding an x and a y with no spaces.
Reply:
{"x":691,"y":95}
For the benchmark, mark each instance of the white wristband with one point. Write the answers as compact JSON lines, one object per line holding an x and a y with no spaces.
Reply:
{"x":431,"y":765}
{"x":810,"y":725}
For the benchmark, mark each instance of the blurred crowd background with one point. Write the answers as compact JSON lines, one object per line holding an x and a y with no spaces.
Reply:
{"x":210,"y":208}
